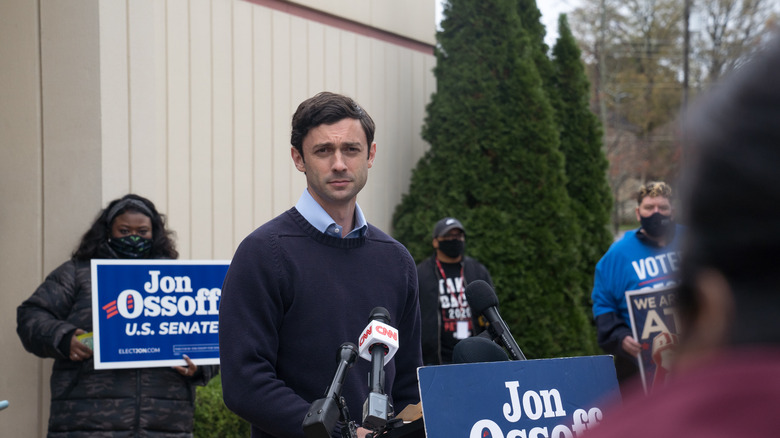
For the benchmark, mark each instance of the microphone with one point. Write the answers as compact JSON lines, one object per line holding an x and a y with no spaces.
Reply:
{"x":478,"y":349}
{"x":483,"y":300}
{"x":378,"y":344}
{"x":324,"y":413}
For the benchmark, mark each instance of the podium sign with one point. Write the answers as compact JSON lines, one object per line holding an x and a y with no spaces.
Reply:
{"x":547,"y":398}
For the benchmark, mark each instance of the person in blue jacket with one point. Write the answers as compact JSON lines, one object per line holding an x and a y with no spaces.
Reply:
{"x":647,"y":257}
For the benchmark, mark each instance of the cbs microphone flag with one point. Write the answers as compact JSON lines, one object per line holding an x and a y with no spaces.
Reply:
{"x":148,"y":313}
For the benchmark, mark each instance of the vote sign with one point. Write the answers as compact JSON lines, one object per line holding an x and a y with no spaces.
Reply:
{"x":654,"y":325}
{"x":148,"y":313}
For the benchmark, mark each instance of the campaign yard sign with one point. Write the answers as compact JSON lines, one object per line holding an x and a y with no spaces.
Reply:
{"x":654,"y":325}
{"x":545,"y":398}
{"x":148,"y":313}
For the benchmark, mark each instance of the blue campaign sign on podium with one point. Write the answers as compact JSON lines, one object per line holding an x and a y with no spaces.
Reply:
{"x":545,"y":398}
{"x":148,"y":313}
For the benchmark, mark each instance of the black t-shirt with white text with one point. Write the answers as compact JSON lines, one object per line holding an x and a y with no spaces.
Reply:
{"x":456,"y":322}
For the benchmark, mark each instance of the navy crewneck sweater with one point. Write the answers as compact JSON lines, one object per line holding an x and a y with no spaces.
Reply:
{"x":291,"y":297}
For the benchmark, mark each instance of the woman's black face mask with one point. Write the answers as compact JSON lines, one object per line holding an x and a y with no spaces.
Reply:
{"x":131,"y":247}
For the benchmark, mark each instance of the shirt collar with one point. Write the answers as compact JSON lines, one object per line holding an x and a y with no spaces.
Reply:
{"x":313,"y":212}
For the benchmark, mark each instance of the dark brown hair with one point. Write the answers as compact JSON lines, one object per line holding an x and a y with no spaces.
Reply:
{"x":326,"y":109}
{"x":93,"y":240}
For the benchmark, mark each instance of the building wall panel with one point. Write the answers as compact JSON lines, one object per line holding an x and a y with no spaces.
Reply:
{"x":188,"y":103}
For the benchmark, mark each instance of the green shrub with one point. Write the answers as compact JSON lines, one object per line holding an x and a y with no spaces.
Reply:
{"x":213,"y":418}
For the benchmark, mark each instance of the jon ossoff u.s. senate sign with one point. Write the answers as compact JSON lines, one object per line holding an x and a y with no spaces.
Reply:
{"x":148,"y":313}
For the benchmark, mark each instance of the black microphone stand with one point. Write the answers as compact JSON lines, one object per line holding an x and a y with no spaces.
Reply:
{"x":348,"y":430}
{"x":324,"y":413}
{"x":316,"y":418}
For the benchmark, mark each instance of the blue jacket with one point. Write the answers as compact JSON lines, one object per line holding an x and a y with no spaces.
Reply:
{"x":629,"y":264}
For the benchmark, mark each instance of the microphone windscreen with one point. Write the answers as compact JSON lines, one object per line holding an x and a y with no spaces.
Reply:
{"x":478,"y":349}
{"x":480,"y":296}
{"x":348,"y":353}
{"x":379,"y":313}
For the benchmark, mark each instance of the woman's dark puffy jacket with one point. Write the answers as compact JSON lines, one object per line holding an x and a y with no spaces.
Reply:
{"x":148,"y":402}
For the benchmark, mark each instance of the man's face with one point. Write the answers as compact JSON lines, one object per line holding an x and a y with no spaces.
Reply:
{"x":653,"y":204}
{"x":336,"y":159}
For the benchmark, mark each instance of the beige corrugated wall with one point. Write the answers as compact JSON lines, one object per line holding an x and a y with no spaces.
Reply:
{"x":187,"y":102}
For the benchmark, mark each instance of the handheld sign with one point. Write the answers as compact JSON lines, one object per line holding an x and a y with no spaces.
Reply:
{"x":654,"y":326}
{"x":529,"y":398}
{"x":148,"y":313}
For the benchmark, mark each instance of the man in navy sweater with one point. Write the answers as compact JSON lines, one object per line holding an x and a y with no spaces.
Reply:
{"x":305,"y":282}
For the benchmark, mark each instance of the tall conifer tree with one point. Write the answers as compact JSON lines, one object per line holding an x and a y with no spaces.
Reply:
{"x":586,"y":164}
{"x":495,"y":164}
{"x":532,"y":27}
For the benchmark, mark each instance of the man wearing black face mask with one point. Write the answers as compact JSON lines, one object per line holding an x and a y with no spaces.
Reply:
{"x":444,"y":311}
{"x":647,"y":257}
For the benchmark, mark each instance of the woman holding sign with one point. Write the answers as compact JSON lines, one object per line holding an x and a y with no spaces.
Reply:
{"x":56,"y":322}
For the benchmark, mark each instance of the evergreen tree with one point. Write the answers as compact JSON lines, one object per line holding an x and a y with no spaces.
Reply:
{"x":586,"y":164}
{"x":532,"y":27}
{"x":495,"y":164}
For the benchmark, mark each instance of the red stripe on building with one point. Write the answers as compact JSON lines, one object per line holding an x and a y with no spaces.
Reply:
{"x":344,"y":24}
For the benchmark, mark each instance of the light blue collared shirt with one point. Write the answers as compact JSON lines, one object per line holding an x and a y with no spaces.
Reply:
{"x":313,"y":212}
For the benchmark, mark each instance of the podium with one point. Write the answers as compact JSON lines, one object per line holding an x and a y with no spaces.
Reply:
{"x":545,"y":398}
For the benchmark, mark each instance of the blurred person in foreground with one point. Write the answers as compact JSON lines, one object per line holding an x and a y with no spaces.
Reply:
{"x":726,"y":377}
{"x":148,"y":402}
